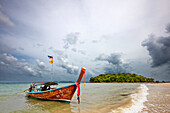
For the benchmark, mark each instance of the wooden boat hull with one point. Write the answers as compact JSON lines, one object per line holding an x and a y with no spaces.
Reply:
{"x":59,"y":94}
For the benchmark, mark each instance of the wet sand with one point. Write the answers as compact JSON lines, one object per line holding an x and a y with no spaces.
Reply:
{"x":166,"y":84}
{"x":158,"y":98}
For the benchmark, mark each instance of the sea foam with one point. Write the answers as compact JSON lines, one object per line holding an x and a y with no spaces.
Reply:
{"x":137,"y":99}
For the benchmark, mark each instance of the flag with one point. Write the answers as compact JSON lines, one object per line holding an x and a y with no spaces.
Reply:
{"x":51,"y":61}
{"x":50,"y":56}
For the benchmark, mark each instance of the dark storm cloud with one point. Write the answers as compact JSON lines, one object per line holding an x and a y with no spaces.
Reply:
{"x":115,"y":64}
{"x":168,"y":28}
{"x":117,"y":68}
{"x":159,"y":49}
{"x":70,"y":39}
{"x":11,"y":65}
{"x":14,"y":66}
{"x":113,"y":58}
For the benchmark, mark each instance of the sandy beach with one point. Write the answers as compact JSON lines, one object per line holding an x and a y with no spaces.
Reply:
{"x":166,"y":84}
{"x":158,"y":99}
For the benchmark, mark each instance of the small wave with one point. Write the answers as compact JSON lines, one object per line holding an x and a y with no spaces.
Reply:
{"x":12,"y":94}
{"x":137,"y":99}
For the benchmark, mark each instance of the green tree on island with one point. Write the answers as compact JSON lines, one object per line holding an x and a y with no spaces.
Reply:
{"x":120,"y":77}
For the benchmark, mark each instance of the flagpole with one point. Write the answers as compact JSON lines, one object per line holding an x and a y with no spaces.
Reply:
{"x":52,"y":71}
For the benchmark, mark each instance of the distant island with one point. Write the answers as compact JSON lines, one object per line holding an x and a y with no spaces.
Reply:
{"x":120,"y":77}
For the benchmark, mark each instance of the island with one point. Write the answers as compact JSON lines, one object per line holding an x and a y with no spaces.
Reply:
{"x":120,"y":77}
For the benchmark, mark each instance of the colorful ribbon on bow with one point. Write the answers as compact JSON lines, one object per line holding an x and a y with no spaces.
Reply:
{"x":78,"y":92}
{"x":78,"y":86}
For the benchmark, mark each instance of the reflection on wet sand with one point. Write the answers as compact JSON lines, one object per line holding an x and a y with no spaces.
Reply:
{"x":47,"y":106}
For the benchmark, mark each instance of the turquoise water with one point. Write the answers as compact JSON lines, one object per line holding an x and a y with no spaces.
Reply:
{"x":95,"y":97}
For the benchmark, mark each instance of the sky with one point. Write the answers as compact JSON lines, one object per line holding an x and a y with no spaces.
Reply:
{"x":104,"y":36}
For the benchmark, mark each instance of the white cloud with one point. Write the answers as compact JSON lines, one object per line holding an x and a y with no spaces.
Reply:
{"x":10,"y":58}
{"x":23,"y":60}
{"x":40,"y":64}
{"x":70,"y":68}
{"x":29,"y":69}
{"x":3,"y":63}
{"x":13,"y":64}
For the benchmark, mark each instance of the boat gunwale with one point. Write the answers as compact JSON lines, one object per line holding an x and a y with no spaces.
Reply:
{"x":53,"y":89}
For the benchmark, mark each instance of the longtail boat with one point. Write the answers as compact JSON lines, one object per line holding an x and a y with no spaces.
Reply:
{"x":64,"y":93}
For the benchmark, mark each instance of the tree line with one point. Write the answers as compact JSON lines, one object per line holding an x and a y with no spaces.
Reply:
{"x":120,"y":77}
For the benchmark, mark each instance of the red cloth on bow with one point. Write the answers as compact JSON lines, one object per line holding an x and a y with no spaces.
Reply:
{"x":78,"y":86}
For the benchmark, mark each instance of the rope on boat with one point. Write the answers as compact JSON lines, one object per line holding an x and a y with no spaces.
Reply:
{"x":84,"y":79}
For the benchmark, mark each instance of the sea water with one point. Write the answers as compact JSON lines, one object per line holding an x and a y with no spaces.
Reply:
{"x":95,"y":98}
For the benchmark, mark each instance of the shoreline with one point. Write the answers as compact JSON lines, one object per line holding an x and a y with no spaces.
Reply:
{"x":160,"y":83}
{"x":166,"y":84}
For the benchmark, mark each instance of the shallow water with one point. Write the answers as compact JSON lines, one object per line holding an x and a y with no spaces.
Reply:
{"x":95,"y":97}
